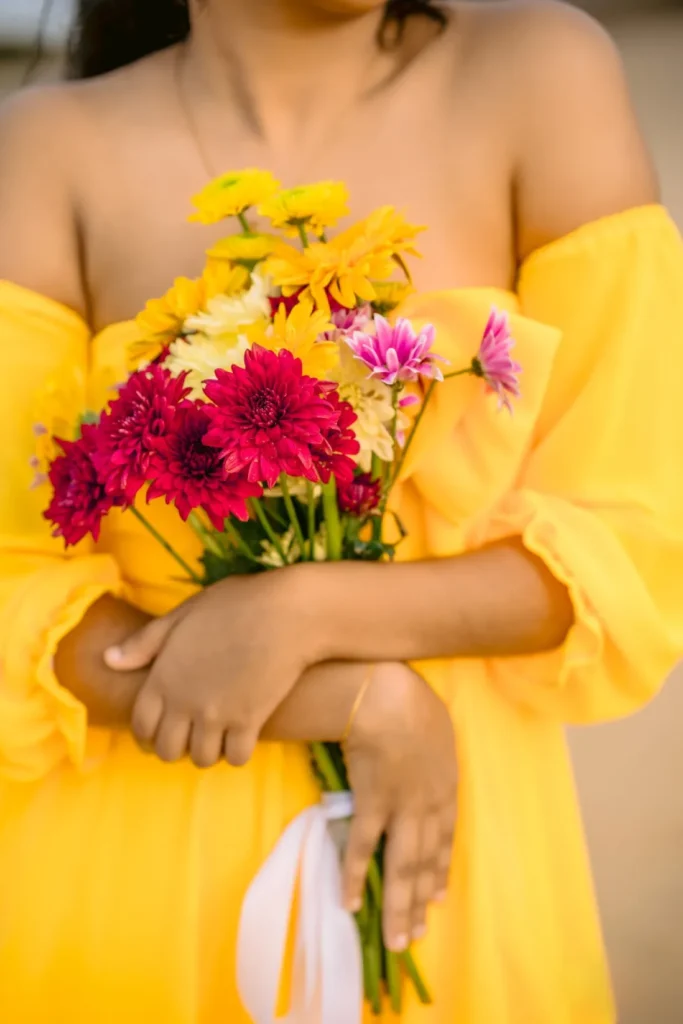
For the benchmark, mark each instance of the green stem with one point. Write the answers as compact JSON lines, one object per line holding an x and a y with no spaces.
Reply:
{"x":416,"y":424}
{"x":289,"y":505}
{"x":332,"y":521}
{"x":205,"y":535}
{"x":393,"y":980}
{"x":268,"y":529}
{"x":167,"y":547}
{"x":373,"y":955}
{"x":302,"y":234}
{"x":244,"y":222}
{"x":458,"y":373}
{"x":327,"y":769}
{"x":311,"y":506}
{"x":239,"y":541}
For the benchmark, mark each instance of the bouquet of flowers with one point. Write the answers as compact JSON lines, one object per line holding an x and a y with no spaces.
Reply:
{"x":273,"y":401}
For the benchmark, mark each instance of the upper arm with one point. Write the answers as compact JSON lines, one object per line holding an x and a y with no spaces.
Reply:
{"x":38,"y":234}
{"x":581,"y":155}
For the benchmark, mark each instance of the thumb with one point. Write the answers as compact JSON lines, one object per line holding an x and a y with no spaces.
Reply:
{"x":141,"y":648}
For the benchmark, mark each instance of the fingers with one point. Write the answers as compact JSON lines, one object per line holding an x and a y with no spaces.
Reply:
{"x":146,"y":717}
{"x":206,"y":744}
{"x":239,"y":746}
{"x":401,"y":866}
{"x":172,"y":737}
{"x":427,"y":876}
{"x":140,"y":649}
{"x":367,"y":826}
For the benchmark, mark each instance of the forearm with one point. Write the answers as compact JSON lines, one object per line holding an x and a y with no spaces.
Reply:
{"x":319,"y":706}
{"x":109,"y":696}
{"x":498,"y":601}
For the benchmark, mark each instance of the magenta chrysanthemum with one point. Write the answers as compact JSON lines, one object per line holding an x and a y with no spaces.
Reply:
{"x":188,"y":473}
{"x":270,"y":418}
{"x":79,"y":500}
{"x":493,"y":361}
{"x":335,"y":456}
{"x":396,"y":353}
{"x":359,"y":496}
{"x":137,"y":421}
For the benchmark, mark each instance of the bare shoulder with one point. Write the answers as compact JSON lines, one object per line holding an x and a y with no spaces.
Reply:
{"x":579,"y":153}
{"x":48,"y":140}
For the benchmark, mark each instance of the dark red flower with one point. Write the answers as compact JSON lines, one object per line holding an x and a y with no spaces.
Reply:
{"x":288,"y":301}
{"x":270,"y":418}
{"x":137,"y":421}
{"x":359,"y":496}
{"x":188,"y":473}
{"x":334,"y":457}
{"x":80,"y":499}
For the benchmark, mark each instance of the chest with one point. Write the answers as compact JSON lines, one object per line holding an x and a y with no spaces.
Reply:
{"x":439,"y":163}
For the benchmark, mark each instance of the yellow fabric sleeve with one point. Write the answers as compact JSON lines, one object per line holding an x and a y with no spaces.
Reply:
{"x":599,"y":495}
{"x":44,"y":591}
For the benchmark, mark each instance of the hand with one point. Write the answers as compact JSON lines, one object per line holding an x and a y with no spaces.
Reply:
{"x":222,"y":662}
{"x":109,"y":697}
{"x":402,"y":769}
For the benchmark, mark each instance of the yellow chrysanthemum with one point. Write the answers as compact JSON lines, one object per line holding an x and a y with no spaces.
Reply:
{"x":315,"y":207}
{"x":162,"y":320}
{"x":389,"y":295}
{"x":243,"y":249}
{"x":299,"y":332}
{"x":231,"y":194}
{"x":349,"y":265}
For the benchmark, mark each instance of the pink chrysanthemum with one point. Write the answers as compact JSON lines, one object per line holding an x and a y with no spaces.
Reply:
{"x":137,"y":421}
{"x":80,"y":499}
{"x":395,"y":353}
{"x":359,"y":496}
{"x":351,"y":320}
{"x":270,"y":418}
{"x":493,"y":361}
{"x":188,"y":473}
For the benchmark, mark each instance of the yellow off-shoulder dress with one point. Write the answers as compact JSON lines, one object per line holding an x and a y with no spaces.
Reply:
{"x":121,"y":878}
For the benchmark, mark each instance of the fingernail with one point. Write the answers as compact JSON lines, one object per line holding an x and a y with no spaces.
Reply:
{"x":353,"y":906}
{"x":419,"y":932}
{"x":112,"y":655}
{"x":400,"y":943}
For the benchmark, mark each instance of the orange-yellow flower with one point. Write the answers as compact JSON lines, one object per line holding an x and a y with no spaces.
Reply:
{"x":231,"y":194}
{"x":349,"y":264}
{"x":299,"y":332}
{"x":313,"y":207}
{"x":162,"y":320}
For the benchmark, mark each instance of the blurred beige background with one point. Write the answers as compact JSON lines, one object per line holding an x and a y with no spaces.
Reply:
{"x":630,"y":774}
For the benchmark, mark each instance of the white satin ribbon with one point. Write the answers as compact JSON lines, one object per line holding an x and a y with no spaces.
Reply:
{"x":327,"y":983}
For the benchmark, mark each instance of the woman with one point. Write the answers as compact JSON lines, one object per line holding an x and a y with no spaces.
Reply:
{"x":541,"y":550}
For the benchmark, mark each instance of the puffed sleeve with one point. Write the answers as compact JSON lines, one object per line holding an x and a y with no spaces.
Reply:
{"x":44,"y":591}
{"x":598,"y":494}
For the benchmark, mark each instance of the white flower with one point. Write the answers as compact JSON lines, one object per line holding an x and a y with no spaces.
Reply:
{"x":290,"y":548}
{"x":201,"y":357}
{"x":226,"y":314}
{"x":371,"y":402}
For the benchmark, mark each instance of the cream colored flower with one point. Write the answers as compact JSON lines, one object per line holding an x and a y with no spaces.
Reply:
{"x":201,"y":357}
{"x":290,"y":548}
{"x":225,"y":315}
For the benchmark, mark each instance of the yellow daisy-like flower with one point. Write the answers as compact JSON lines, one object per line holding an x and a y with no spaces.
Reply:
{"x":389,"y":295}
{"x":299,"y":333}
{"x":231,"y":194}
{"x":243,"y":249}
{"x":349,"y":265}
{"x":315,"y":207}
{"x":162,"y":320}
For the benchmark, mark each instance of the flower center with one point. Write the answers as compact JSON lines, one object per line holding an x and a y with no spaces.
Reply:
{"x":265,"y":407}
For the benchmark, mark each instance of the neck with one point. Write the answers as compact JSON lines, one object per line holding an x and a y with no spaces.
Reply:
{"x":285,"y":68}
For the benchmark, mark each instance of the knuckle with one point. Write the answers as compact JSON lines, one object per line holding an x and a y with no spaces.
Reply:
{"x":406,"y":870}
